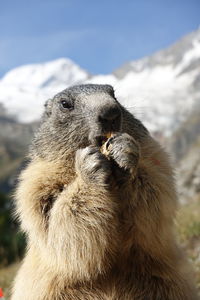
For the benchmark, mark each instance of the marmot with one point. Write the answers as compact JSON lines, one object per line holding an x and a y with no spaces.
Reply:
{"x":98,"y":226}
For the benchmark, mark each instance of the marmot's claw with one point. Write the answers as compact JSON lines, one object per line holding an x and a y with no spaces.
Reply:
{"x":93,"y":165}
{"x":124,"y":150}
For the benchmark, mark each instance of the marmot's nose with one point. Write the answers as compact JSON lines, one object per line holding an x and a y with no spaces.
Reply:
{"x":110,"y":118}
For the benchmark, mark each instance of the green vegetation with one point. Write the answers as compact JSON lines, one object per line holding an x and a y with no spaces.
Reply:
{"x":188,"y":221}
{"x":12,"y":241}
{"x":188,"y":226}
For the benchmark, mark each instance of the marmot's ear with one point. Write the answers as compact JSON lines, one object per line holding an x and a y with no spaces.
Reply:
{"x":48,"y":107}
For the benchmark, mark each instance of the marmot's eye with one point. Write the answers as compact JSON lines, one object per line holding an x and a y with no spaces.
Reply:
{"x":66,"y":104}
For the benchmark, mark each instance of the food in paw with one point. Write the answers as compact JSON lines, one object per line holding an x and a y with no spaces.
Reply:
{"x":106,"y":146}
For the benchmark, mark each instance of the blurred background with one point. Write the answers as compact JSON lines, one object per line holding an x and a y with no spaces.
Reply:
{"x":149,"y":50}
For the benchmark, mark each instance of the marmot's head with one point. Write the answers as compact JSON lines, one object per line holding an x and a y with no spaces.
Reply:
{"x":79,"y":116}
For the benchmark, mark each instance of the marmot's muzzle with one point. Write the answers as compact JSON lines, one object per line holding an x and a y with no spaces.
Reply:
{"x":108,"y":120}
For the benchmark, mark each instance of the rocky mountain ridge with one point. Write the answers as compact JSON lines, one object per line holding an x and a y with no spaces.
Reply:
{"x":160,"y":89}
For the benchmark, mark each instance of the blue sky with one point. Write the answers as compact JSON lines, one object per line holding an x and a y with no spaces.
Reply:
{"x":98,"y":35}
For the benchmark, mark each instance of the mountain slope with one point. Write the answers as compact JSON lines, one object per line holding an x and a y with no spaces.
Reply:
{"x":160,"y":89}
{"x":167,"y":84}
{"x":185,"y":146}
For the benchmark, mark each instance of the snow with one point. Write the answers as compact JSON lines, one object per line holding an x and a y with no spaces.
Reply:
{"x":47,"y":74}
{"x":190,"y":56}
{"x":161,"y":96}
{"x":193,"y":53}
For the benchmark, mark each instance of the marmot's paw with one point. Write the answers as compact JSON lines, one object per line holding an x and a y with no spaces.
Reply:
{"x":93,"y":165}
{"x":124,"y":150}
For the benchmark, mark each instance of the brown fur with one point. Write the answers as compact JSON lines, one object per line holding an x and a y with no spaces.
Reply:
{"x":99,"y":243}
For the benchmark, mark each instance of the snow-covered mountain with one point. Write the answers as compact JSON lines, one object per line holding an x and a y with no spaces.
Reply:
{"x":24,"y":90}
{"x":161,"y":89}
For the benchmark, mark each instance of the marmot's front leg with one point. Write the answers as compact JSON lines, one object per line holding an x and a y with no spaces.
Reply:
{"x":83,"y":224}
{"x":92,"y":166}
{"x":124,"y":151}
